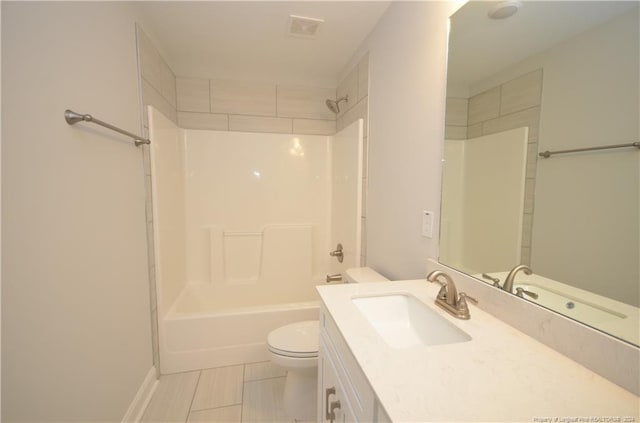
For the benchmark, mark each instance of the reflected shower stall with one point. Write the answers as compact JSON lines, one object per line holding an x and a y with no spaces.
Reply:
{"x":243,"y":227}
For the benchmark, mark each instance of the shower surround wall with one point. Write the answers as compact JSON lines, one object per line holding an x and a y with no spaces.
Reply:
{"x":257,"y":215}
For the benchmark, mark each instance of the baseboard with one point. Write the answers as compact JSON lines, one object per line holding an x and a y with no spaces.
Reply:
{"x":142,"y":398}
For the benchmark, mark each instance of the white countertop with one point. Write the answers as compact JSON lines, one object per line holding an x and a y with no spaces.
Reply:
{"x":500,"y":375}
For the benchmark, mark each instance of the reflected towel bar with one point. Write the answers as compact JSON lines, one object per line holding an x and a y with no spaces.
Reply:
{"x":73,"y":118}
{"x":547,"y":154}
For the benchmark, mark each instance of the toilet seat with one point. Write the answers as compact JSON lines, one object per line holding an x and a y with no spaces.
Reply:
{"x":298,"y":340}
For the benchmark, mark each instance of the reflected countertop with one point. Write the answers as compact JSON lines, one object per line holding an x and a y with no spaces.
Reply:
{"x":606,"y":314}
{"x":500,"y":375}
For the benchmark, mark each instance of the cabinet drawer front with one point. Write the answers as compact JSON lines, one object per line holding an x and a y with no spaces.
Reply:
{"x":356,"y":387}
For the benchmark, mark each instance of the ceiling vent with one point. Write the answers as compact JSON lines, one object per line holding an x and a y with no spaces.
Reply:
{"x":300,"y":26}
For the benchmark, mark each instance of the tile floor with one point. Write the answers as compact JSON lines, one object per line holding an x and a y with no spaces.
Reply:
{"x":245,"y":393}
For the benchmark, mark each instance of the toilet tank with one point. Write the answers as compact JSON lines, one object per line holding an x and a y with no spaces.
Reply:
{"x":362,"y":275}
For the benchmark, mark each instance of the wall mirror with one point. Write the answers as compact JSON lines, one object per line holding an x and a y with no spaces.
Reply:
{"x":554,"y":76}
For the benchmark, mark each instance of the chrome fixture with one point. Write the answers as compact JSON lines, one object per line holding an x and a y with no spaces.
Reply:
{"x":72,"y":118}
{"x":448,"y":297}
{"x":521,"y":292}
{"x":547,"y":154}
{"x":338,"y":253}
{"x":330,"y":406}
{"x":508,"y":282}
{"x":496,"y":281}
{"x":327,"y":394}
{"x":334,"y":277}
{"x":333,"y":105}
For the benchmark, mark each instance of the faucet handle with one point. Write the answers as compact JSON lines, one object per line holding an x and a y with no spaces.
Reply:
{"x":462,"y":309}
{"x":462,"y":303}
{"x":463,"y":297}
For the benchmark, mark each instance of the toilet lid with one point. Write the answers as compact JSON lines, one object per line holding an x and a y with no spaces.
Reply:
{"x":298,"y":339}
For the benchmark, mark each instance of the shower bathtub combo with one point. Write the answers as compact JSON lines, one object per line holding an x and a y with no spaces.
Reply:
{"x":243,"y":224}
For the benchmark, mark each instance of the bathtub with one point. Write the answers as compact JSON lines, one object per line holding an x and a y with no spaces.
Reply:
{"x":198,"y":333}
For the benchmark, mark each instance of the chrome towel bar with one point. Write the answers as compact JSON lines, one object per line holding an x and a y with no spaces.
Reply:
{"x":547,"y":154}
{"x":72,"y":118}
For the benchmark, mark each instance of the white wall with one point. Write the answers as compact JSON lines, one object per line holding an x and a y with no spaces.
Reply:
{"x":75,"y":311}
{"x":407,"y":56}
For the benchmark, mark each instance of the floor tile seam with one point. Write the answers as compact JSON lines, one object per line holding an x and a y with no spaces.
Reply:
{"x":193,"y":396}
{"x":180,"y":373}
{"x":266,"y":378}
{"x":222,"y":367}
{"x":244,"y":372}
{"x":216,"y":407}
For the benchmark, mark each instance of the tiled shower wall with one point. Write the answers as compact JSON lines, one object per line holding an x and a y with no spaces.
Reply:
{"x":254,"y":107}
{"x":513,"y":104}
{"x":356,"y":86}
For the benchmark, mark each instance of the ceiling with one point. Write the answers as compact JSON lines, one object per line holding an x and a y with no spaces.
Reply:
{"x":243,"y":40}
{"x":479,"y":47}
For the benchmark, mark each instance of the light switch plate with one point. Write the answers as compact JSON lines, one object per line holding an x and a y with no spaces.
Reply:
{"x":427,"y":224}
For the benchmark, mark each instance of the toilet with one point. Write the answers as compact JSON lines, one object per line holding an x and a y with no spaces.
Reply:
{"x":294,"y":347}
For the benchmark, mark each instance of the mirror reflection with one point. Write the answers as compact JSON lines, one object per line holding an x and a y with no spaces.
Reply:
{"x":562,"y":231}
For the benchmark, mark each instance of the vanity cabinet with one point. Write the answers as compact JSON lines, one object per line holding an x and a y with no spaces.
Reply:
{"x":344,"y":395}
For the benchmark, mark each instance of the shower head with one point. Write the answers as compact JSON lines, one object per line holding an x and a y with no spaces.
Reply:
{"x":333,"y":105}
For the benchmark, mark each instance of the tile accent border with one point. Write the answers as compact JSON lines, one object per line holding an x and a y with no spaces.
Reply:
{"x":253,"y":107}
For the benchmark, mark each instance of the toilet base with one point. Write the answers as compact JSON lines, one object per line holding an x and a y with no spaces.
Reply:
{"x":300,"y":393}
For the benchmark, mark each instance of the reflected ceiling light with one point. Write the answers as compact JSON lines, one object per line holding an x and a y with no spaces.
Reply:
{"x":505,"y":9}
{"x":296,"y":148}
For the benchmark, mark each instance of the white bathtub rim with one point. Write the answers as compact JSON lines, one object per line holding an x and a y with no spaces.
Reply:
{"x":270,"y":308}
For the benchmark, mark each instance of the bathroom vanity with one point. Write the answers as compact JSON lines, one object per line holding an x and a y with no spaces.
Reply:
{"x":369,"y":372}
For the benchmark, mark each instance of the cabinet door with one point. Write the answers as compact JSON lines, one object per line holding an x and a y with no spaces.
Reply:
{"x":331,"y":393}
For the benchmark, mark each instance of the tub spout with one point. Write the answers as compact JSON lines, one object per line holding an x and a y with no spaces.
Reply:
{"x":335,"y":277}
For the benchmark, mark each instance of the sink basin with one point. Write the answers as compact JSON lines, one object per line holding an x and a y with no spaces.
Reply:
{"x":403,"y":321}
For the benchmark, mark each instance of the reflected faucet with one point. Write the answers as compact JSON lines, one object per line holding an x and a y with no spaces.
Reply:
{"x":496,"y":281}
{"x":521,"y":292}
{"x":508,"y":282}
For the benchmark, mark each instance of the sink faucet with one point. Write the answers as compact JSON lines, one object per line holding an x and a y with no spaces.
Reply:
{"x":508,"y":282}
{"x":448,"y":297}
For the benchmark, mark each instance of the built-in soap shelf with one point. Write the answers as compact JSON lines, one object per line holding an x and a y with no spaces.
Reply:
{"x":238,"y":257}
